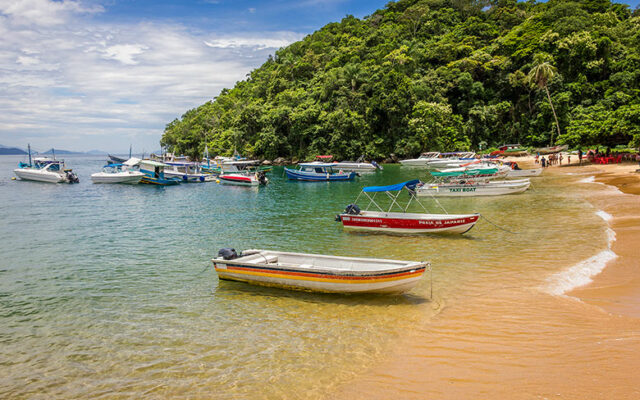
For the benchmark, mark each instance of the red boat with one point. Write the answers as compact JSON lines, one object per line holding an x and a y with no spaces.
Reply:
{"x":240,"y":173}
{"x":403,"y":222}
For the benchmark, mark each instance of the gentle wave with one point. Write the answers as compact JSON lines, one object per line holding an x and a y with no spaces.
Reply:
{"x":604,"y":215}
{"x":591,"y":179}
{"x":581,"y":274}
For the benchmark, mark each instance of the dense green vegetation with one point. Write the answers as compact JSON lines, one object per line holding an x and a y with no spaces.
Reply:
{"x":434,"y":75}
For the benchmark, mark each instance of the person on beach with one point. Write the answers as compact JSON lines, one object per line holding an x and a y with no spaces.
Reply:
{"x":569,"y":159}
{"x":561,"y":157}
{"x":580,"y":156}
{"x":537,"y":157}
{"x":543,"y":162}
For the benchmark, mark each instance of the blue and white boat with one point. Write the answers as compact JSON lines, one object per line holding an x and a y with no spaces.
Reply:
{"x":186,"y":171}
{"x":318,"y":171}
{"x":153,"y":172}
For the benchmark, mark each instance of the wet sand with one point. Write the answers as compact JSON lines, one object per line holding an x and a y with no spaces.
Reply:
{"x":520,"y":343}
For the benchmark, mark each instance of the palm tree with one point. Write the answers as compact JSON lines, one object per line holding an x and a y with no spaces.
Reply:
{"x":541,"y":74}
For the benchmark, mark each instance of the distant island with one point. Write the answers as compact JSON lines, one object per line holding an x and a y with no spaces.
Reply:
{"x":5,"y":151}
{"x":434,"y":75}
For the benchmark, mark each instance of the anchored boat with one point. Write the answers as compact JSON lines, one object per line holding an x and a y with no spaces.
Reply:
{"x":469,"y":188}
{"x":403,"y":221}
{"x":242,"y":173}
{"x":516,"y":172}
{"x":316,"y":272}
{"x":318,"y":171}
{"x":45,"y":169}
{"x":186,"y":171}
{"x":153,"y":172}
{"x":117,"y":173}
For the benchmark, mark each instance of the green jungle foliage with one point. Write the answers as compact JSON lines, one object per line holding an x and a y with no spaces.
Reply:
{"x":434,"y":75}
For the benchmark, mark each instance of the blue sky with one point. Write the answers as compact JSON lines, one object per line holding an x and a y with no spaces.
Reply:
{"x":104,"y":74}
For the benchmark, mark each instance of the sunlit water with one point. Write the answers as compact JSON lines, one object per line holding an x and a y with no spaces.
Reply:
{"x":108,"y":290}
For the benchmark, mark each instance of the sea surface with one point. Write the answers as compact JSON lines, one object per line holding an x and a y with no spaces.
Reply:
{"x":108,"y":291}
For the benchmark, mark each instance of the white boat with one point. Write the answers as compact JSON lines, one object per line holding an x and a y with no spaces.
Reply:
{"x":242,"y":173}
{"x":421,"y":161}
{"x":452,"y":160}
{"x":117,"y":173}
{"x":349,"y":166}
{"x":472,"y":188}
{"x":318,"y":171}
{"x":52,"y":172}
{"x":401,"y":222}
{"x":517,"y":173}
{"x":187,"y":171}
{"x":321,"y":273}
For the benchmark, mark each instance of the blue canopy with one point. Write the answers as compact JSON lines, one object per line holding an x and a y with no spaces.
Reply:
{"x":390,"y":188}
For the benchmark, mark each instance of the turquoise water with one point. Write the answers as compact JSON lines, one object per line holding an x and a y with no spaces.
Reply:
{"x":108,"y":290}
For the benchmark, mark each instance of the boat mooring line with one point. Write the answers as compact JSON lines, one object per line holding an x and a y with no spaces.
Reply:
{"x":497,"y":226}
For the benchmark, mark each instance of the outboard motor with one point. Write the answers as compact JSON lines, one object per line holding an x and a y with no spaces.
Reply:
{"x":262,"y":178}
{"x":352,"y":209}
{"x":375,"y":164}
{"x":71,"y":177}
{"x":228,"y":253}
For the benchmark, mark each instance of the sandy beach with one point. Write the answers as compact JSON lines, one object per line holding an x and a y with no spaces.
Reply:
{"x":527,"y":344}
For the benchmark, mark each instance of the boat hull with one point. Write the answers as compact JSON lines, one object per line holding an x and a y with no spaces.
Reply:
{"x":467,"y":190}
{"x":409,"y":223}
{"x":356,"y":167}
{"x":148,"y":180}
{"x":123,"y":178}
{"x":308,"y":278}
{"x":318,"y":177}
{"x":187,"y":178}
{"x":29,"y":174}
{"x":238,"y":180}
{"x":516,"y":173}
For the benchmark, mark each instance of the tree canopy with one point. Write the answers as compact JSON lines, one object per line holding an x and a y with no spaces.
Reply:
{"x":424,"y":75}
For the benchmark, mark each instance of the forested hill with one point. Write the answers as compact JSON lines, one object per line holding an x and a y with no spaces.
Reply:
{"x":434,"y":75}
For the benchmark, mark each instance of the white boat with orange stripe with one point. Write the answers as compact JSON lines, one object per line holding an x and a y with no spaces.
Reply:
{"x":319,"y":273}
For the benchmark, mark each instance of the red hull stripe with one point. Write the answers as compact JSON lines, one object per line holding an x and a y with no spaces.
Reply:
{"x":400,"y":223}
{"x":326,"y":275}
{"x":235,"y":178}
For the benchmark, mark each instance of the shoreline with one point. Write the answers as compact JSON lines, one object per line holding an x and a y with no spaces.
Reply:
{"x":506,"y":354}
{"x":616,"y":288}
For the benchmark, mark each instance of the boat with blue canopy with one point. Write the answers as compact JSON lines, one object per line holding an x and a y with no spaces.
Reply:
{"x":396,"y":218}
{"x":153,"y":171}
{"x":318,"y":171}
{"x":186,"y":171}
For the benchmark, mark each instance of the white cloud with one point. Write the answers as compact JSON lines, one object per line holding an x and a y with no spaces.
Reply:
{"x":272,"y":40}
{"x":43,"y":12}
{"x":70,"y":82}
{"x":124,"y":52}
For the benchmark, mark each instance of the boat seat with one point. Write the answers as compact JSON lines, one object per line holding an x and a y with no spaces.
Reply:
{"x":259,"y":258}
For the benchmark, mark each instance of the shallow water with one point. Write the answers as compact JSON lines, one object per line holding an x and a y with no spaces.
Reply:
{"x":108,"y":290}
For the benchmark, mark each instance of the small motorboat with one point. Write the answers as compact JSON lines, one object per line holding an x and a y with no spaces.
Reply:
{"x":516,"y":172}
{"x":45,"y":169}
{"x":242,"y":173}
{"x":117,"y":173}
{"x":421,"y":161}
{"x":153,"y":172}
{"x":470,"y":187}
{"x":360,"y":165}
{"x":186,"y":171}
{"x":53,"y":172}
{"x":318,"y":171}
{"x":510,"y":150}
{"x":403,"y":221}
{"x":320,"y":273}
